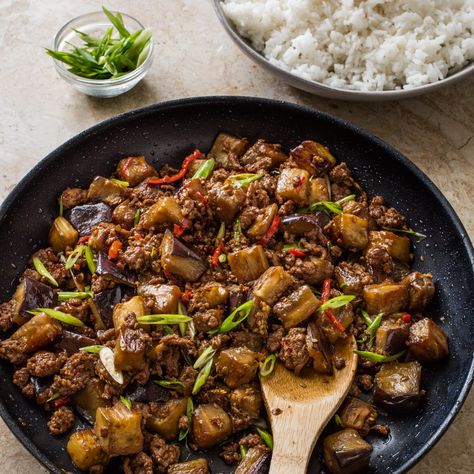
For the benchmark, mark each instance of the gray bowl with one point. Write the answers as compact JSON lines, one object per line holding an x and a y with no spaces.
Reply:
{"x":322,"y":89}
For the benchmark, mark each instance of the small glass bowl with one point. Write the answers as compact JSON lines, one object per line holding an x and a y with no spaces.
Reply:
{"x":95,"y":24}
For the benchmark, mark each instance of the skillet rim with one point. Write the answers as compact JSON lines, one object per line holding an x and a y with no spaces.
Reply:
{"x":229,"y":101}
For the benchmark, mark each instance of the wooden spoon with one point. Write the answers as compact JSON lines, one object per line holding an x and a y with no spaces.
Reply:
{"x":299,"y":407}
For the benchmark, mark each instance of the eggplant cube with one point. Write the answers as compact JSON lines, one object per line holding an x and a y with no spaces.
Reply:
{"x":107,"y":191}
{"x":319,"y":349}
{"x":266,"y":155}
{"x":213,"y":294}
{"x":318,"y":190}
{"x":165,"y":297}
{"x":134,"y":169}
{"x":166,"y":421}
{"x":129,"y":350}
{"x":227,"y":202}
{"x":85,"y":450}
{"x":119,"y":430}
{"x":357,"y":414}
{"x":246,"y":401}
{"x":249,"y":263}
{"x":180,"y":260}
{"x":272,"y":284}
{"x":165,"y":211}
{"x":90,"y":398}
{"x":346,"y":452}
{"x":421,"y":290}
{"x":391,"y":337}
{"x":398,"y":246}
{"x":350,"y":231}
{"x":314,"y":157}
{"x":62,"y":234}
{"x":385,"y":298}
{"x":237,"y":366}
{"x":195,"y":466}
{"x":210,"y":426}
{"x":262,"y":222}
{"x":85,"y":217}
{"x":293,"y":184}
{"x":256,"y":461}
{"x":296,"y":307}
{"x":428,"y":341}
{"x":134,"y":305}
{"x":226,"y":150}
{"x":397,"y":386}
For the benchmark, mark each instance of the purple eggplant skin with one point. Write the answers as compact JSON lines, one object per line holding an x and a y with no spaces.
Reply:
{"x":32,"y":294}
{"x":151,"y":392}
{"x":256,"y":461}
{"x":300,"y":224}
{"x":71,"y":342}
{"x":105,"y":302}
{"x":85,"y":217}
{"x":105,"y":267}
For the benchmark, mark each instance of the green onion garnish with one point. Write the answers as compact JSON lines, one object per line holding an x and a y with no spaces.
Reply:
{"x":90,"y":259}
{"x":163,"y":319}
{"x":243,"y":451}
{"x":374,"y":357}
{"x":123,"y":184}
{"x":127,"y":402}
{"x":43,"y":271}
{"x":221,"y":233}
{"x":202,"y":376}
{"x":66,"y":295}
{"x":207,"y":354}
{"x":107,"y":57}
{"x":60,"y":316}
{"x":266,"y":437}
{"x":244,"y":179}
{"x":182,"y":326}
{"x":337,"y":420}
{"x":237,"y":229}
{"x":53,"y":397}
{"x":136,"y":220}
{"x":372,"y":329}
{"x":74,"y":256}
{"x":189,"y":414}
{"x":229,"y":323}
{"x":205,"y":170}
{"x":153,"y":252}
{"x":167,"y":329}
{"x":418,"y":235}
{"x":293,"y":246}
{"x":336,"y":302}
{"x":61,"y":207}
{"x":170,"y":384}
{"x":94,"y":349}
{"x":222,"y":258}
{"x":328,"y":207}
{"x":268,"y":365}
{"x":367,"y":319}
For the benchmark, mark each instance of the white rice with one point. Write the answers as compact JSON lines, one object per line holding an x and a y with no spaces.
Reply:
{"x":360,"y":44}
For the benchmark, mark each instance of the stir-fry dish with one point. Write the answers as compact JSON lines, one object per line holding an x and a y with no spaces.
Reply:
{"x":164,"y":296}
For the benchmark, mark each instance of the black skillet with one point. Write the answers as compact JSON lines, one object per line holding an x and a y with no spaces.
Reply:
{"x":165,"y":133}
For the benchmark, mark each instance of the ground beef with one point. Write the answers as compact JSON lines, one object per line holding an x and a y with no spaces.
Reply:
{"x":230,"y":453}
{"x":220,"y":341}
{"x":102,"y":236}
{"x":124,"y":215}
{"x":7,"y":310}
{"x":13,"y":350}
{"x":313,"y":271}
{"x":51,"y":262}
{"x":343,"y":184}
{"x":162,"y":454}
{"x":385,"y":217}
{"x":257,"y":196}
{"x":76,"y":307}
{"x":21,"y":377}
{"x":207,"y":320}
{"x":61,"y":421}
{"x":274,"y":338}
{"x":136,"y":255}
{"x":219,"y":396}
{"x":71,"y":197}
{"x":252,"y":341}
{"x":45,"y":363}
{"x":139,"y":463}
{"x":248,"y":216}
{"x":380,"y":261}
{"x":352,"y":277}
{"x":169,"y":361}
{"x":253,"y":441}
{"x":101,"y":283}
{"x":74,"y":375}
{"x":293,"y":350}
{"x":383,"y":430}
{"x":365,"y":382}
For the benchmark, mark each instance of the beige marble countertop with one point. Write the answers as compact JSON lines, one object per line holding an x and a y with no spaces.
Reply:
{"x":193,"y":56}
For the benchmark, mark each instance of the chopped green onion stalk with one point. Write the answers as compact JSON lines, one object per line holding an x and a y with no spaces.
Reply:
{"x":337,"y":420}
{"x":163,"y":319}
{"x":266,"y":437}
{"x":243,"y":451}
{"x":222,"y":258}
{"x":372,"y":329}
{"x":182,"y":326}
{"x":221,"y":233}
{"x":328,"y":207}
{"x":367,"y":319}
{"x":53,"y":397}
{"x":127,"y":402}
{"x":90,"y":259}
{"x":60,"y":316}
{"x":95,"y":349}
{"x":189,"y":414}
{"x":374,"y":357}
{"x":230,"y":323}
{"x":205,"y":170}
{"x":167,"y":330}
{"x":207,"y":354}
{"x":43,"y":271}
{"x":74,"y":256}
{"x":153,"y":253}
{"x":136,"y":220}
{"x":192,"y":329}
{"x":292,"y":246}
{"x":268,"y":365}
{"x":202,"y":376}
{"x":61,"y":207}
{"x":124,"y":184}
{"x":67,"y":295}
{"x":418,"y":235}
{"x":351,"y":197}
{"x":243,"y":180}
{"x":171,"y":384}
{"x":336,"y":302}
{"x":237,"y":229}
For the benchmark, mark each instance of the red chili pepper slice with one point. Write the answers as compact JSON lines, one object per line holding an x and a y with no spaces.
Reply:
{"x":126,"y":165}
{"x":202,"y":198}
{"x":300,"y":184}
{"x":178,"y":230}
{"x":329,"y":313}
{"x":406,"y":318}
{"x":138,"y":236}
{"x":171,"y":277}
{"x":297,"y":253}
{"x":84,"y":239}
{"x":215,"y":255}
{"x":326,"y":293}
{"x":181,"y":174}
{"x":272,"y":230}
{"x":114,"y":249}
{"x":60,"y":402}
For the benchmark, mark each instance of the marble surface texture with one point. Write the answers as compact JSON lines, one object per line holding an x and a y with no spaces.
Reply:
{"x":193,"y":56}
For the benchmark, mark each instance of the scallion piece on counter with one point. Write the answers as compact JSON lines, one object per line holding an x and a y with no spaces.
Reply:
{"x":336,"y":302}
{"x":67,"y":295}
{"x":94,"y":349}
{"x":60,"y":316}
{"x":136,"y":220}
{"x":374,"y":357}
{"x":127,"y":402}
{"x":243,"y":180}
{"x":107,"y":57}
{"x":268,"y":365}
{"x":207,"y":353}
{"x":418,"y":235}
{"x":189,"y":414}
{"x":205,"y":170}
{"x":163,"y":319}
{"x":43,"y":271}
{"x":202,"y":376}
{"x":235,"y":318}
{"x":170,"y":384}
{"x":266,"y":437}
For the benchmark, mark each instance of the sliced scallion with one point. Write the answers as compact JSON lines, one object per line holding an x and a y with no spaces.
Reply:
{"x":90,"y":259}
{"x":94,"y":349}
{"x":189,"y":414}
{"x":43,"y":271}
{"x":418,"y":235}
{"x":123,"y":184}
{"x":60,"y":316}
{"x":372,"y":329}
{"x":237,"y":229}
{"x":170,"y":384}
{"x":202,"y":376}
{"x":163,"y":319}
{"x":235,"y":318}
{"x":81,"y":295}
{"x":206,"y":355}
{"x":136,"y":220}
{"x":243,"y":451}
{"x":74,"y":256}
{"x":374,"y":357}
{"x":221,"y":233}
{"x":127,"y":402}
{"x":337,"y":420}
{"x":336,"y":302}
{"x":205,"y":170}
{"x":266,"y":437}
{"x":268,"y":365}
{"x":61,"y":207}
{"x":243,"y":180}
